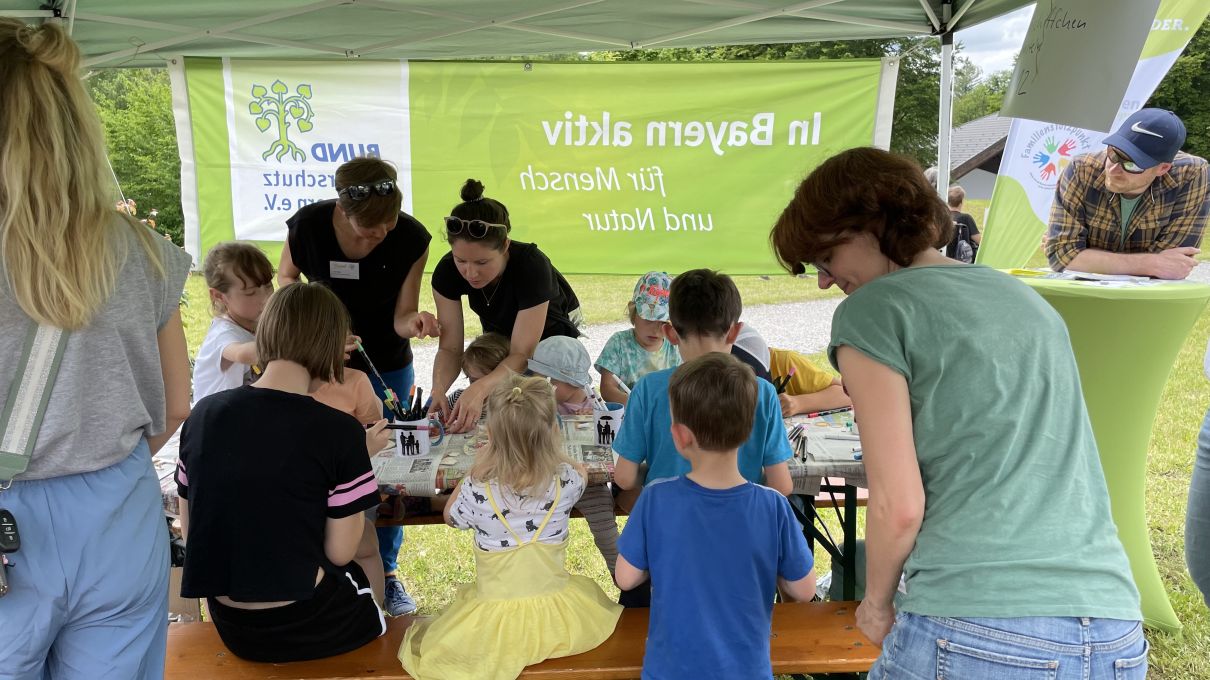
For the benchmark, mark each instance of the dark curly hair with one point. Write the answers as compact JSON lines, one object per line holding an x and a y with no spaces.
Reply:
{"x":862,"y":190}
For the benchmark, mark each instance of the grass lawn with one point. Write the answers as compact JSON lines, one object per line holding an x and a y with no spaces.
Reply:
{"x":435,"y":559}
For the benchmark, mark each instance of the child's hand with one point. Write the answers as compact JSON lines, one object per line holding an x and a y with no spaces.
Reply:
{"x":378,"y":437}
{"x":788,"y":407}
{"x":584,"y":411}
{"x":351,"y":345}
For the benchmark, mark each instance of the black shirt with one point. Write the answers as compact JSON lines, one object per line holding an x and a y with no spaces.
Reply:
{"x":371,"y":292}
{"x":528,"y":280}
{"x":262,"y":471}
{"x":961,"y":220}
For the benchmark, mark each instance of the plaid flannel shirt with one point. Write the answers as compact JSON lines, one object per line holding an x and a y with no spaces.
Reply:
{"x":1171,"y":213}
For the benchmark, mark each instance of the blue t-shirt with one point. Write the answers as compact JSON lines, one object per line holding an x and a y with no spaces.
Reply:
{"x":713,"y":557}
{"x":646,"y":433}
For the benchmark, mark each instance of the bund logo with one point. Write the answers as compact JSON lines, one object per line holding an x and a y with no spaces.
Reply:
{"x":275,"y":107}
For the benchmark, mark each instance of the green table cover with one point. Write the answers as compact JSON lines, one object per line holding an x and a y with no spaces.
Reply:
{"x":1126,"y":341}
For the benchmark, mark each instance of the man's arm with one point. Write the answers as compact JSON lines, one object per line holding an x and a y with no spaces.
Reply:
{"x":1067,"y":235}
{"x":1175,"y":263}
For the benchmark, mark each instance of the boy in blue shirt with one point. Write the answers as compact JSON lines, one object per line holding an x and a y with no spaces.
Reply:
{"x":712,"y":536}
{"x":704,"y":307}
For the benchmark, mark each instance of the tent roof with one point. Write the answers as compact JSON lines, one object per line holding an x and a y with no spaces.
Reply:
{"x":146,"y":32}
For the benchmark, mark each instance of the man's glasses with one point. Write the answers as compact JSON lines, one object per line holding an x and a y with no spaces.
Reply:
{"x":1121,"y":159}
{"x":360,"y":192}
{"x":455,"y":226}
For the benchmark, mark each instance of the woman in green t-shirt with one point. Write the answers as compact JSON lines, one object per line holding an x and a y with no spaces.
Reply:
{"x":986,"y":490}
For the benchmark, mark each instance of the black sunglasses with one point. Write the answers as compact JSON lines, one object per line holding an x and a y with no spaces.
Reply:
{"x":1129,"y":166}
{"x":360,"y":192}
{"x":476,"y":229}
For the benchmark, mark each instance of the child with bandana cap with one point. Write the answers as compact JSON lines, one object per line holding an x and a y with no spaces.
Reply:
{"x":631,"y":354}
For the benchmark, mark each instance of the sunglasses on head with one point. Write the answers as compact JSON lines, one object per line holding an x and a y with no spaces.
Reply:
{"x":360,"y":192}
{"x":1121,"y":159}
{"x":476,"y":229}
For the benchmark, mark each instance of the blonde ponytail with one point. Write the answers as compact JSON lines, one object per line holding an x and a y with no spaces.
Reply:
{"x":61,"y":240}
{"x":525,"y":447}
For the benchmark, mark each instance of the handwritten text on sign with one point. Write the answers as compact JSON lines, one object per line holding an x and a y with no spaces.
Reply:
{"x":1072,"y":44}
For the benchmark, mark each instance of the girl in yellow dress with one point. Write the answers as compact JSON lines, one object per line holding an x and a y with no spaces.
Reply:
{"x":524,"y":607}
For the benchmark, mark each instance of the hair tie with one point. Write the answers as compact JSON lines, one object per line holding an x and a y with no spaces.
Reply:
{"x":516,"y":392}
{"x":476,"y":200}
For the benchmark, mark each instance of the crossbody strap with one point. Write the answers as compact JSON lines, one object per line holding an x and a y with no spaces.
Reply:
{"x":27,"y":398}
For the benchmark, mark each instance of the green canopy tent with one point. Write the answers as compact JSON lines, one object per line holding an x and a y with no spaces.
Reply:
{"x":126,"y":33}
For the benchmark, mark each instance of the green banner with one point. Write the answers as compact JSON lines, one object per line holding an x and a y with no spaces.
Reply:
{"x":609,"y":167}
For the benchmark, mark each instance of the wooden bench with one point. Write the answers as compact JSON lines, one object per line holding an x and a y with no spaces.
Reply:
{"x":812,"y":637}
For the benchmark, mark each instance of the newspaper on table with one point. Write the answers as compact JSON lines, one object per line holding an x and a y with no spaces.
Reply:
{"x":413,"y":475}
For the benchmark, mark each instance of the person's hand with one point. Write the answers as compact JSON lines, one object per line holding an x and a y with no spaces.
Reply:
{"x":351,"y":345}
{"x":875,"y":620}
{"x":422,"y":325}
{"x":1174,"y":263}
{"x":439,"y":406}
{"x":466,"y":412}
{"x":378,"y":437}
{"x":585,"y":410}
{"x":787,"y":405}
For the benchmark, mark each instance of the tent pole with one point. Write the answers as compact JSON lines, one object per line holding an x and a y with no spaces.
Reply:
{"x":71,"y":16}
{"x":946,"y":114}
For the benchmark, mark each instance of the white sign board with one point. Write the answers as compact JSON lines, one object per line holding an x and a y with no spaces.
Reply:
{"x":1077,"y":61}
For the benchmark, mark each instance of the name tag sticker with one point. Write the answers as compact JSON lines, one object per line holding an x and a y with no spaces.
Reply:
{"x":344,"y":270}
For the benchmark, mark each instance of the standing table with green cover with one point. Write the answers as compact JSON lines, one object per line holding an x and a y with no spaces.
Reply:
{"x":1126,"y":340}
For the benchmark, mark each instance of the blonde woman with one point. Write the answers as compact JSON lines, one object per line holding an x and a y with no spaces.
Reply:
{"x":524,"y":607}
{"x":89,"y":586}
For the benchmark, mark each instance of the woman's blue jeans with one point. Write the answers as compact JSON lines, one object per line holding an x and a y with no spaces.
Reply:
{"x":1197,"y":516}
{"x":1030,"y":648}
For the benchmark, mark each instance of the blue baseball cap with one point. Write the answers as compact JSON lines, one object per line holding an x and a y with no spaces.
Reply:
{"x":1149,"y":137}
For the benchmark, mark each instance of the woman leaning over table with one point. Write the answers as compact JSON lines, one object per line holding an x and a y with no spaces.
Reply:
{"x":511,"y":285}
{"x":89,"y":584}
{"x":986,"y":490}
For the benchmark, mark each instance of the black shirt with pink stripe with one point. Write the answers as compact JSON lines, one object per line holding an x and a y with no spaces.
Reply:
{"x":262,"y":471}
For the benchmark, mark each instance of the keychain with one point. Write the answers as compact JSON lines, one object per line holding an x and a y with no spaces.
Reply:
{"x":10,"y":542}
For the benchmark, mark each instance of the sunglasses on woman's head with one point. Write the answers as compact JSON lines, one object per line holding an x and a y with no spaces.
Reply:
{"x":455,"y":226}
{"x":1121,"y":159}
{"x":360,"y":192}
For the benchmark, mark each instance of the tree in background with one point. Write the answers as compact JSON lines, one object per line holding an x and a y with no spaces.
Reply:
{"x":984,"y":97}
{"x":1184,"y":91}
{"x":914,"y":131}
{"x":136,"y":109}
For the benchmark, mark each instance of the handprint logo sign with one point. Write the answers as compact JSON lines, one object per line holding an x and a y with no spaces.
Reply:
{"x":1053,"y":158}
{"x":275,"y":107}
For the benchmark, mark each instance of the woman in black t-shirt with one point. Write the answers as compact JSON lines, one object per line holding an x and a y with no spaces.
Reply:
{"x":372,"y":256}
{"x":513,"y":288}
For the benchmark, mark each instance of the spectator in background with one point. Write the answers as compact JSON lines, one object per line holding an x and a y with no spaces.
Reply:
{"x":967,"y":238}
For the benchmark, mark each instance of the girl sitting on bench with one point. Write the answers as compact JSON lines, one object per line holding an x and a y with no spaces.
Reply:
{"x":524,"y":606}
{"x":272,"y":486}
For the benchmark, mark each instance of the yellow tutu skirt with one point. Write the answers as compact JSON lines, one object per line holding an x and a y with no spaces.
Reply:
{"x":524,"y":608}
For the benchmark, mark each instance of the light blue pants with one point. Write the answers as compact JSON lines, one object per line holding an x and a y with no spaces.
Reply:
{"x":1197,"y":517}
{"x":89,"y":594}
{"x":390,"y":539}
{"x":1030,"y":648}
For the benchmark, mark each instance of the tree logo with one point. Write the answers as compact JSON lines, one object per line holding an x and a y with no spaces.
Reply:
{"x":276,"y":106}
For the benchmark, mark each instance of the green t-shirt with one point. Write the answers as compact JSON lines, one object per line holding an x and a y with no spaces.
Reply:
{"x":1016,"y":519}
{"x":1128,"y":205}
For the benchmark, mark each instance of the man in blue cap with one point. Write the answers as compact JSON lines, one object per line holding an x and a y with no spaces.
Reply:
{"x":1139,"y":207}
